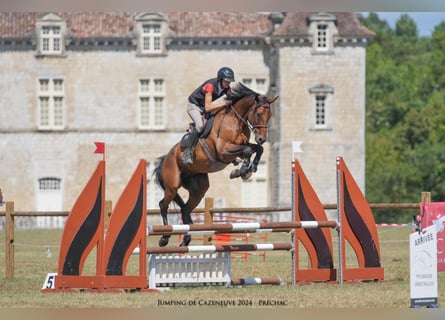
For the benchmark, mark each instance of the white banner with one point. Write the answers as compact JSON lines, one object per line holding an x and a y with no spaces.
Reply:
{"x":423,"y":268}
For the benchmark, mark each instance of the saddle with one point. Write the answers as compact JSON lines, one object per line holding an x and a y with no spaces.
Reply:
{"x":208,"y":123}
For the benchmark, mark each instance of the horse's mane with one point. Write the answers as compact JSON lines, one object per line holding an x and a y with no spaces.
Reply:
{"x":240,"y":91}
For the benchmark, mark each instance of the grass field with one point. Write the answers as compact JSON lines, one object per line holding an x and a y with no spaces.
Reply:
{"x":36,"y":254}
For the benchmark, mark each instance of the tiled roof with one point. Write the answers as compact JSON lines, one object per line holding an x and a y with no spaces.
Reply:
{"x":348,"y":24}
{"x":182,"y":24}
{"x":351,"y":27}
{"x":82,"y":25}
{"x":100,"y":24}
{"x":16,"y":24}
{"x":220,"y":24}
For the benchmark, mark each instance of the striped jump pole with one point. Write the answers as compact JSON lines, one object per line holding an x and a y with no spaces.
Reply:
{"x":239,"y":227}
{"x":221,"y":248}
{"x":254,"y":281}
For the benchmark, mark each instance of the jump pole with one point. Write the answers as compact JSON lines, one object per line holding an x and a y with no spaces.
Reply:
{"x":256,"y":281}
{"x":229,"y":228}
{"x":222,"y":248}
{"x":239,"y":227}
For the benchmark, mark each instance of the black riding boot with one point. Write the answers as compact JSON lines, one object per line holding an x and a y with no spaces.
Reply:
{"x":189,"y":153}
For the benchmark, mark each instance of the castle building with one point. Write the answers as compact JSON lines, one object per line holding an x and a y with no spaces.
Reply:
{"x":71,"y":79}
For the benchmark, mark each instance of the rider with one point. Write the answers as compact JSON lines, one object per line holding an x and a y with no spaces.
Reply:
{"x":200,"y":102}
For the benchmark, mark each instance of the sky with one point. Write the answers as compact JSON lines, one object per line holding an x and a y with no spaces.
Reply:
{"x":425,"y":21}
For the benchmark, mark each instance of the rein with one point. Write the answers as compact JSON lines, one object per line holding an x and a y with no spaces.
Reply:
{"x":246,"y":122}
{"x":242,"y":119}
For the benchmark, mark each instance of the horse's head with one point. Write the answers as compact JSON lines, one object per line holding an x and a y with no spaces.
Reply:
{"x":259,"y":115}
{"x":253,"y":109}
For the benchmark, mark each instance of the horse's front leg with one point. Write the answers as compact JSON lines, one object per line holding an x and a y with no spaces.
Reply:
{"x":246,"y":170}
{"x":245,"y":167}
{"x":186,"y":219}
{"x":242,"y":151}
{"x":258,"y":153}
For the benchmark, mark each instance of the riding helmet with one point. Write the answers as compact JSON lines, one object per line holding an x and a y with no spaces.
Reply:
{"x":227,"y":74}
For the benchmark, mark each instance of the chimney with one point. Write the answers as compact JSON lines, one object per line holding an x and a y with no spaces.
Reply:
{"x":277,"y":19}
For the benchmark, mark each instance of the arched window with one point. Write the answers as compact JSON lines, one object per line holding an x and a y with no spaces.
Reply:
{"x":49,"y":183}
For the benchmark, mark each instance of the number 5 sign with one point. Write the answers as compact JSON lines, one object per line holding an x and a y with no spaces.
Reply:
{"x":49,"y":281}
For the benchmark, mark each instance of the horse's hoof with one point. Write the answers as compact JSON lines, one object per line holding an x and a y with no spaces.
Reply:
{"x":234,"y":174}
{"x":186,"y":241}
{"x":247,"y":175}
{"x":163,"y":241}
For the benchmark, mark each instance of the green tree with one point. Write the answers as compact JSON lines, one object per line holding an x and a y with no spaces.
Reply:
{"x":438,"y":58}
{"x":406,"y":27}
{"x":405,"y":115}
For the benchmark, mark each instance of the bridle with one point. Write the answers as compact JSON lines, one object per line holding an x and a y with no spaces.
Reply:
{"x":263,"y":103}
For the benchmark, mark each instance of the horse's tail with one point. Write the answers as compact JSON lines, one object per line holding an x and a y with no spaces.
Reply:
{"x":158,"y":172}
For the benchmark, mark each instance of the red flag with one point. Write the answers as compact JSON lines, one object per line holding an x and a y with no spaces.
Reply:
{"x":100,"y":147}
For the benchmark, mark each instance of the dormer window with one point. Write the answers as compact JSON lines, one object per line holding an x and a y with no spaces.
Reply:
{"x":323,"y":27}
{"x":50,"y":39}
{"x":50,"y":31}
{"x":151,"y":38}
{"x":322,"y":36}
{"x":151,"y":30}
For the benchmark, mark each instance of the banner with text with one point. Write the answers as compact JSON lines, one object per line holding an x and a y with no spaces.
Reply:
{"x":423,"y":268}
{"x":433,"y":213}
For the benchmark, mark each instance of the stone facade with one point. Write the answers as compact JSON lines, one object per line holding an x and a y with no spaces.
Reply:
{"x":101,"y":66}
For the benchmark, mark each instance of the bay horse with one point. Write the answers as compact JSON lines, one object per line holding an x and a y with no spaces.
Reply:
{"x":227,"y":142}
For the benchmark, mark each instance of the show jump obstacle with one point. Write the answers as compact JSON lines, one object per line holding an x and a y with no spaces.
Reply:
{"x":126,"y":232}
{"x":85,"y":230}
{"x":356,"y":225}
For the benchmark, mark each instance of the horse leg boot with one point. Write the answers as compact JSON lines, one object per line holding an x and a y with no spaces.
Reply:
{"x":186,"y":219}
{"x":189,"y":152}
{"x":186,"y":240}
{"x":163,"y":241}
